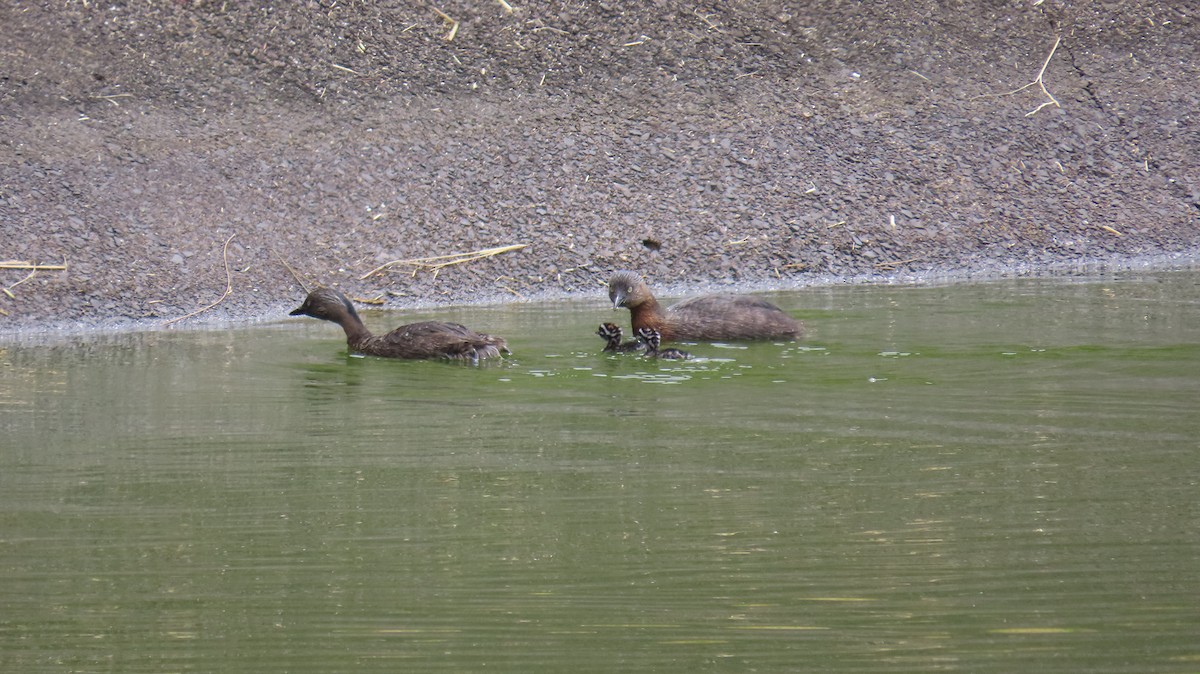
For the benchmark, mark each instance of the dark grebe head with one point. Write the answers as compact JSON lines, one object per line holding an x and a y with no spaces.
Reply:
{"x":327,"y":304}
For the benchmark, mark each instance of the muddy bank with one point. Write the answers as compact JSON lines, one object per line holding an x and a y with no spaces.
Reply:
{"x":196,"y":154}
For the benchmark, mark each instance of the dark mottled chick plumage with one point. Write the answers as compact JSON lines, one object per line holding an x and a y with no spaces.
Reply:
{"x":611,"y":333}
{"x":709,"y":317}
{"x":653,"y":342}
{"x":424,"y":340}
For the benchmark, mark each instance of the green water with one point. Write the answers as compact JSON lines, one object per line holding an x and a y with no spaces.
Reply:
{"x":987,"y":478}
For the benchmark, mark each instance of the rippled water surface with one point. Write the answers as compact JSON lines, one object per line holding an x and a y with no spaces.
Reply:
{"x":988,"y":478}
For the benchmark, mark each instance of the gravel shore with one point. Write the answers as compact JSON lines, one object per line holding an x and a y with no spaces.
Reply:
{"x":203,"y":161}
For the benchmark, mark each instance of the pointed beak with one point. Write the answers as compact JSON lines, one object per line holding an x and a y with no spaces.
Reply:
{"x":298,"y":312}
{"x":618,"y":299}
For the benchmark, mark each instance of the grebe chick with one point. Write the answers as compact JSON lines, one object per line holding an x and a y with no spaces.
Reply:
{"x":653,"y":341}
{"x":611,"y":333}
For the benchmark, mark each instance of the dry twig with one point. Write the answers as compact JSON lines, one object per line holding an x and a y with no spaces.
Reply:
{"x":449,"y":37}
{"x":228,"y":286}
{"x":112,"y":98}
{"x":790,"y":266}
{"x":291,"y":271}
{"x":1039,"y":80}
{"x":22,"y":264}
{"x":437,"y":262}
{"x":8,"y":291}
{"x":893,"y":264}
{"x":33,"y":270}
{"x":707,"y":20}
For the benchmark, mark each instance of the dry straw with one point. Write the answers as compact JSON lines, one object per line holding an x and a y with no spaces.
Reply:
{"x":228,"y":286}
{"x":23,"y":264}
{"x":439,"y":262}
